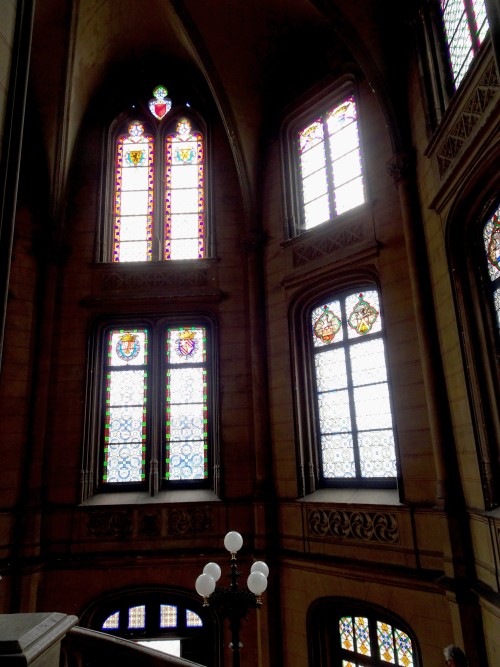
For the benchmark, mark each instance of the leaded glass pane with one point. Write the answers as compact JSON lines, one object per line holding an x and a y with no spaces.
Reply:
{"x":331,"y":372}
{"x":314,"y":186}
{"x":134,"y":183}
{"x":363,"y":312}
{"x":346,"y":168}
{"x":133,"y":228}
{"x":313,"y":160}
{"x":337,"y":456}
{"x":464,"y":33}
{"x":341,"y":116}
{"x":193,"y":620}
{"x":344,"y":141}
{"x":183,"y":248}
{"x":168,"y":616}
{"x":496,"y":304}
{"x":479,"y":8}
{"x":372,"y":406}
{"x":327,"y":324}
{"x":349,"y":196}
{"x":348,"y":663}
{"x":184,"y":194}
{"x":362,"y":635}
{"x":346,"y":633}
{"x":112,"y":622}
{"x":137,"y":617}
{"x":404,"y":649}
{"x":126,"y":403}
{"x":186,"y":404}
{"x":334,"y":411}
{"x":491,"y":238}
{"x":352,"y":392}
{"x":316,"y":212}
{"x":377,"y":453}
{"x":385,"y":642}
{"x":186,"y":345}
{"x":311,"y":136}
{"x":368,"y":362}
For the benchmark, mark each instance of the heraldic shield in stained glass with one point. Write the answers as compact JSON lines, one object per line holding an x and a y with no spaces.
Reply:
{"x":160,"y":104}
{"x":362,"y":317}
{"x":327,"y":325}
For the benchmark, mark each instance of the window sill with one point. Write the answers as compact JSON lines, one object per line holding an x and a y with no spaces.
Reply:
{"x":354,"y":497}
{"x":143,"y":498}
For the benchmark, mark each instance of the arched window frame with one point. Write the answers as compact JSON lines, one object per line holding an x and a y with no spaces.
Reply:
{"x":326,"y":650}
{"x":317,"y":106}
{"x":159,"y":132}
{"x":194,"y":640}
{"x":156,"y":445}
{"x":480,"y":334}
{"x":310,"y":472}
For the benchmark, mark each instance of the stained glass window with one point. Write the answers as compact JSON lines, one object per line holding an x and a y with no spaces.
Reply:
{"x":192,"y":619}
{"x":168,"y":616}
{"x":162,"y":621}
{"x":134,"y":203}
{"x":353,"y":405}
{"x":184,"y":200}
{"x":159,"y":210}
{"x":491,"y":238}
{"x":137,"y":617}
{"x":330,"y":164}
{"x":112,"y":622}
{"x":186,"y":404}
{"x":155,"y":409}
{"x":373,"y":642}
{"x":465,"y":26}
{"x":126,"y":406}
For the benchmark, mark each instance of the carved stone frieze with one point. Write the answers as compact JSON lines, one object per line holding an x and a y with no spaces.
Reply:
{"x":326,"y":245}
{"x":142,"y":522}
{"x":153,"y":280}
{"x":116,"y":523}
{"x":354,"y":525}
{"x":471,"y":114}
{"x":189,"y":522}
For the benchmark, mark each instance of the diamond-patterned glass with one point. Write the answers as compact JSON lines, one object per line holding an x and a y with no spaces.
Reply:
{"x":112,"y":622}
{"x":168,"y":616}
{"x":137,"y":617}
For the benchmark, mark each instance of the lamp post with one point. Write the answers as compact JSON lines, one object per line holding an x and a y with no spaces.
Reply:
{"x":233,"y":602}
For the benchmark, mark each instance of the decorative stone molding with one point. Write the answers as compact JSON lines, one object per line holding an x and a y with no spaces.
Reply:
{"x":472,"y":112}
{"x":336,"y":240}
{"x":157,"y":280}
{"x":117,"y":523}
{"x":354,"y":525}
{"x":401,"y":167}
{"x":188,"y":522}
{"x":148,"y":522}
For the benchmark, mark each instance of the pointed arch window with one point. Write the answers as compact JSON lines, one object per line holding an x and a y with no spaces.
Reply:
{"x":465,"y":27}
{"x":353,"y":421}
{"x":159,"y":200}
